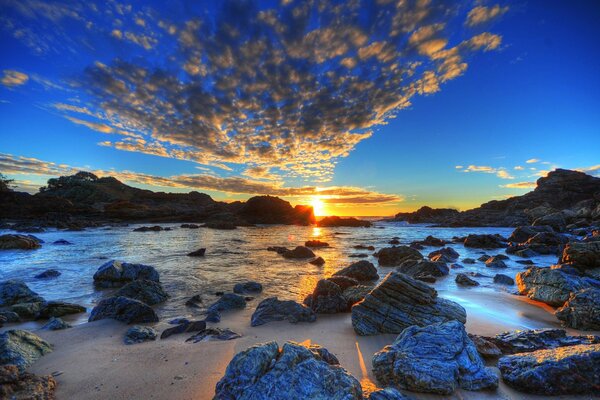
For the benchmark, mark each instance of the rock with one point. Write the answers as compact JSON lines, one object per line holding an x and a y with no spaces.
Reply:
{"x":539,"y":339}
{"x":565,"y":371}
{"x":55,"y":324}
{"x":437,"y":358}
{"x":334,"y":221}
{"x":179,"y":320}
{"x":484,"y":241}
{"x":362,"y":270}
{"x":431,"y":241}
{"x":582,"y":255}
{"x":58,"y":309}
{"x":464,"y":280}
{"x":15,"y":291}
{"x":524,"y":262}
{"x":447,"y":254}
{"x":359,"y":255}
{"x":344,"y":282}
{"x":17,"y":385}
{"x":420,"y":268}
{"x":394,"y":241}
{"x":139,"y":334}
{"x":395,"y":256}
{"x":10,"y":316}
{"x":555,"y":220}
{"x":363,"y":247}
{"x":190,"y":226}
{"x":484,"y":258}
{"x":456,"y":266}
{"x":154,"y":228}
{"x":273,"y":210}
{"x":117,"y":273}
{"x":327,"y":298}
{"x":195,"y":301}
{"x":247,"y":287}
{"x":427,"y":214}
{"x":210,"y":334}
{"x":278,"y":249}
{"x":495,"y":262}
{"x":315,"y":243}
{"x":220,"y":225}
{"x":294,"y":372}
{"x":21,"y":348}
{"x":317,"y":261}
{"x":299,"y":252}
{"x":19,"y":242}
{"x":26,"y":310}
{"x":503,"y":279}
{"x":273,"y":309}
{"x":486,"y":348}
{"x":229,"y":301}
{"x":550,"y":286}
{"x":398,"y":302}
{"x":582,"y":310}
{"x":524,"y":253}
{"x":354,"y":294}
{"x":522,"y":233}
{"x":123,"y":309}
{"x":146,"y":291}
{"x":184,"y":326}
{"x":388,"y":393}
{"x":197,"y":253}
{"x":62,"y":242}
{"x":47,"y":274}
{"x":468,"y":261}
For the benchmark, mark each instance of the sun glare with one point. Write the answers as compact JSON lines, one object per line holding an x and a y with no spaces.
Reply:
{"x":318,"y":206}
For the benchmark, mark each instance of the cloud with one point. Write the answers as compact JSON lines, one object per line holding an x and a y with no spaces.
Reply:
{"x":520,"y":185}
{"x":519,"y":168}
{"x":481,"y":14}
{"x":480,"y":168}
{"x":533,"y":160}
{"x":503,"y":174}
{"x":12,"y":78}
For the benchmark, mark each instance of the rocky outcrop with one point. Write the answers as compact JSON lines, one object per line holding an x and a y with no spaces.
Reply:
{"x":464,"y":280}
{"x":273,"y":309}
{"x":582,"y":255}
{"x":144,"y":290}
{"x":400,"y":301}
{"x":292,"y":372}
{"x":522,"y":233}
{"x":227,"y":302}
{"x":116,"y":273}
{"x":21,"y":348}
{"x":15,"y":291}
{"x":123,"y":309}
{"x":362,"y":270}
{"x":19,"y":242}
{"x":564,"y":371}
{"x":139,"y":334}
{"x":299,"y":252}
{"x":485,"y":241}
{"x":17,"y":385}
{"x":327,"y":298}
{"x":540,"y":243}
{"x":582,"y":310}
{"x":273,"y":210}
{"x":427,"y":215}
{"x":154,"y":228}
{"x":334,"y":221}
{"x":355,"y":294}
{"x":550,"y":286}
{"x":423,"y":268}
{"x":437,"y":358}
{"x":247,"y":287}
{"x":446,"y":254}
{"x":495,"y":262}
{"x":388,"y":393}
{"x":395,"y":256}
{"x":429,"y":241}
{"x":526,"y":341}
{"x":319,"y":261}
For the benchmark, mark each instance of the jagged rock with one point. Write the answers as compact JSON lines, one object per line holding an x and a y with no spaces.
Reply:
{"x":446,"y":254}
{"x":437,"y":358}
{"x":315,"y":243}
{"x":273,"y":210}
{"x":15,"y":385}
{"x":564,"y":371}
{"x":484,"y":241}
{"x":211,"y":334}
{"x":47,"y":274}
{"x":220,"y":225}
{"x":317,"y":261}
{"x":522,"y":233}
{"x":294,"y":372}
{"x":503,"y":279}
{"x":229,"y":301}
{"x":394,"y":256}
{"x":344,"y":282}
{"x":582,"y":255}
{"x":582,"y":310}
{"x":495,"y":262}
{"x":513,"y":342}
{"x":420,"y":268}
{"x":123,"y":309}
{"x":555,"y":220}
{"x":388,"y":393}
{"x":22,"y":348}
{"x":15,"y":291}
{"x":184,"y":326}
{"x":195,"y":301}
{"x":139,"y":334}
{"x":334,"y":221}
{"x":362,"y":270}
{"x":247,"y":287}
{"x":197,"y":253}
{"x":550,"y":286}
{"x":326,"y":298}
{"x":464,"y":280}
{"x":117,"y":273}
{"x":427,"y":214}
{"x":273,"y":309}
{"x":58,"y":309}
{"x":400,"y":301}
{"x":540,"y":243}
{"x":299,"y":252}
{"x":146,"y":291}
{"x":55,"y":324}
{"x":486,"y":348}
{"x":354,"y":294}
{"x":19,"y":242}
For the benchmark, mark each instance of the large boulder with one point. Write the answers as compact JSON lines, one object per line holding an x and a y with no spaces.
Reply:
{"x":299,"y":252}
{"x":582,"y":255}
{"x":394,"y":256}
{"x":15,"y":291}
{"x":362,"y":270}
{"x":327,"y":298}
{"x":144,"y":290}
{"x":357,"y":293}
{"x":273,"y":309}
{"x":550,"y":286}
{"x":582,"y":310}
{"x":485,"y":241}
{"x":123,"y":309}
{"x":19,"y":242}
{"x":446,"y":254}
{"x":400,"y":301}
{"x":273,"y":210}
{"x":293,"y":372}
{"x":563,"y":371}
{"x":117,"y":273}
{"x":437,"y":358}
{"x":22,"y":348}
{"x":423,"y":268}
{"x":522,"y":233}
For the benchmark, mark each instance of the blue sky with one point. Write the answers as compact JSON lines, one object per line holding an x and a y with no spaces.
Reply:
{"x":372,"y":110}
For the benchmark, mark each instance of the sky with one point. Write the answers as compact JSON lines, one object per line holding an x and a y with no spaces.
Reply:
{"x":356,"y":107}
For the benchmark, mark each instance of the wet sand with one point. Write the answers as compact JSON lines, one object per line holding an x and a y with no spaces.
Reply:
{"x":95,"y":364}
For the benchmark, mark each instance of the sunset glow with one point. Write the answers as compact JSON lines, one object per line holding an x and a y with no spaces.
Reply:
{"x":319,"y":207}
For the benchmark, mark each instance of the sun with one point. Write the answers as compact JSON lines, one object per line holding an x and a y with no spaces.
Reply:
{"x":318,"y":206}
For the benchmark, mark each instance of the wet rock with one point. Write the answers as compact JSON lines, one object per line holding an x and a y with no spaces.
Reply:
{"x":47,"y":274}
{"x":273,"y":309}
{"x":10,"y":316}
{"x":211,"y":334}
{"x":456,"y":266}
{"x":446,"y":254}
{"x":278,"y":249}
{"x":179,"y":320}
{"x":334,"y":221}
{"x":26,"y":310}
{"x":522,"y":233}
{"x":486,"y":348}
{"x":394,"y":256}
{"x":21,"y":348}
{"x":146,"y":291}
{"x":484,"y":258}
{"x":247,"y":287}
{"x":354,"y":294}
{"x":317,"y":261}
{"x":524,"y":262}
{"x":195,"y":301}
{"x":464,"y":280}
{"x":550,"y":286}
{"x":220,"y":225}
{"x":388,"y":393}
{"x":503,"y":279}
{"x":364,"y":247}
{"x":184,"y":326}
{"x":421,"y":268}
{"x":326,"y":298}
{"x":582,"y":255}
{"x":565,"y":371}
{"x":15,"y":291}
{"x":190,"y":226}
{"x":524,"y":253}
{"x":154,"y":228}
{"x":582,"y":310}
{"x":197,"y":253}
{"x":315,"y":243}
{"x":486,"y":241}
{"x":431,"y":241}
{"x":117,"y":273}
{"x":361,"y":271}
{"x":400,"y":301}
{"x":299,"y":252}
{"x":62,"y":242}
{"x":437,"y":358}
{"x":344,"y":282}
{"x":15,"y":385}
{"x":495,"y":262}
{"x":294,"y":372}
{"x":139,"y":334}
{"x":526,"y":341}
{"x":58,"y":309}
{"x":359,"y":255}
{"x":227,"y":302}
{"x":394,"y":241}
{"x":468,"y":261}
{"x":19,"y":242}
{"x":123,"y":309}
{"x":55,"y":324}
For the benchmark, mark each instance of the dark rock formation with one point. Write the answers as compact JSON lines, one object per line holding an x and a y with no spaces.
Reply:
{"x":526,"y":341}
{"x":117,"y":273}
{"x":139,"y":334}
{"x":550,"y":286}
{"x":582,"y":310}
{"x":327,"y":298}
{"x":123,"y":309}
{"x":227,"y":302}
{"x":58,"y":309}
{"x":582,"y":255}
{"x":363,"y":247}
{"x":334,"y":221}
{"x":388,"y":393}
{"x":197,"y":253}
{"x":19,"y":242}
{"x":430,"y":241}
{"x":446,"y":254}
{"x":357,"y":293}
{"x":144,"y":290}
{"x":315,"y":243}
{"x":155,"y":228}
{"x":361,"y":271}
{"x":344,"y":282}
{"x":522,"y":233}
{"x":464,"y":280}
{"x":299,"y":252}
{"x":273,"y":210}
{"x":247,"y":287}
{"x":423,"y":268}
{"x":273,"y":309}
{"x":47,"y":274}
{"x":55,"y":324}
{"x":17,"y":385}
{"x":184,"y":326}
{"x":319,"y":261}
{"x":395,"y":256}
{"x":427,"y":215}
{"x":21,"y":348}
{"x":485,"y":241}
{"x":210,"y":334}
{"x":503,"y":279}
{"x":15,"y":291}
{"x":495,"y":262}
